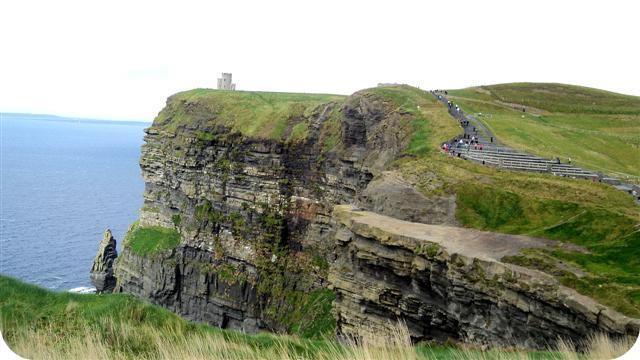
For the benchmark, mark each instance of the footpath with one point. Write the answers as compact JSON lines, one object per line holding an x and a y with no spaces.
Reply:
{"x":478,"y":144}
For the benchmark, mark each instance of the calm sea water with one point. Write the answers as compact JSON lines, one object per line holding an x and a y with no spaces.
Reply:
{"x":62,"y":184}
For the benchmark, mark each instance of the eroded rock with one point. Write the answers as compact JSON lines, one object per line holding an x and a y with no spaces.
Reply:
{"x":447,"y":282}
{"x":102,"y":276}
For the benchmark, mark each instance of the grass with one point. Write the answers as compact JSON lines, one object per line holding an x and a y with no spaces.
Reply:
{"x":119,"y":325}
{"x":146,"y":241}
{"x":254,"y":114}
{"x":330,"y":133}
{"x":314,"y":317}
{"x":37,"y":323}
{"x":299,"y":132}
{"x":566,"y":98}
{"x":598,"y":130}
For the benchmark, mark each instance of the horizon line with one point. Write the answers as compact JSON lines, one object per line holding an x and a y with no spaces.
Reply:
{"x":70,"y":118}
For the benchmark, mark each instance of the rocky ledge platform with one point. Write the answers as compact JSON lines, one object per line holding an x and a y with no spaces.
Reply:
{"x":449,"y":283}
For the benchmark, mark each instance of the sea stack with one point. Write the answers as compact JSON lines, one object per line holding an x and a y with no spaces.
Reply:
{"x":102,"y":269}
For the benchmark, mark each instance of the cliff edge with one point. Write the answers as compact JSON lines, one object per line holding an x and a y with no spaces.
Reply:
{"x":449,"y":283}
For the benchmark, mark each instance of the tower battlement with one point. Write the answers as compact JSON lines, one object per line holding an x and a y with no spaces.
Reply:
{"x":224,"y":82}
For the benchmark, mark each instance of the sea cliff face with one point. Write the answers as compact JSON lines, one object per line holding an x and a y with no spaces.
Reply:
{"x":253,"y":214}
{"x":240,"y":229}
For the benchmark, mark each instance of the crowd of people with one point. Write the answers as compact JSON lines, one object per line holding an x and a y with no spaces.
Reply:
{"x":466,"y":142}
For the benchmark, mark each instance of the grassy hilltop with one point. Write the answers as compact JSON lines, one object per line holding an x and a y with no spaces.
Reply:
{"x":258,"y":114}
{"x":597,"y":129}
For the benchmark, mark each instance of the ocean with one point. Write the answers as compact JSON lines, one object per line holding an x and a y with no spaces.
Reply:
{"x":62,"y":183}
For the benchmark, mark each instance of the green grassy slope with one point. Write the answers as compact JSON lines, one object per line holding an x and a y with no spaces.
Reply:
{"x":603,"y":220}
{"x":598,"y":130}
{"x":25,"y":308}
{"x":265,"y":115}
{"x":39,"y":323}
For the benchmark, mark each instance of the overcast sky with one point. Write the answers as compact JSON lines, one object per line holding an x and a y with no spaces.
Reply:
{"x":121,"y":59}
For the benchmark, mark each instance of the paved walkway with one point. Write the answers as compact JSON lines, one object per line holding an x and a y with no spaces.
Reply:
{"x":478,"y":144}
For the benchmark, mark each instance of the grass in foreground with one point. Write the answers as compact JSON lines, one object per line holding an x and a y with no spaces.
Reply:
{"x":598,"y":130}
{"x":37,"y":324}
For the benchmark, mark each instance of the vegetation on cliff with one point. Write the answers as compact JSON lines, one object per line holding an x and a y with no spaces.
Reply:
{"x":37,"y":323}
{"x":148,"y":240}
{"x":597,"y":129}
{"x":254,"y":114}
{"x":429,"y":124}
{"x":593,"y":215}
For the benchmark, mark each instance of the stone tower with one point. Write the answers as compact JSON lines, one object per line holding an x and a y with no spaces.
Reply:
{"x":224,"y":83}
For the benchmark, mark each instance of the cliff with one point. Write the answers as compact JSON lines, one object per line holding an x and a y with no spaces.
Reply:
{"x":449,"y":283}
{"x":238,"y":227}
{"x":251,"y":203}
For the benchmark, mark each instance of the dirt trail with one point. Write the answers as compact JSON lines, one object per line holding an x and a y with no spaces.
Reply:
{"x":468,"y":242}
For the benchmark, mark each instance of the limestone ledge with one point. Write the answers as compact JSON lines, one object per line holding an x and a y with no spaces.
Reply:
{"x":448,"y":282}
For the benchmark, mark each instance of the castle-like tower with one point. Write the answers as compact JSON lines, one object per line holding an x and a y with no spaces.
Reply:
{"x":224,"y":83}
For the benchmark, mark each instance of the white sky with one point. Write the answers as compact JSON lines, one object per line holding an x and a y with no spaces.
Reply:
{"x":121,"y":59}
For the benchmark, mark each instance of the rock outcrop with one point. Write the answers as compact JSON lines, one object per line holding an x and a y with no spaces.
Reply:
{"x":389,"y":194}
{"x":449,"y":283}
{"x":102,"y":276}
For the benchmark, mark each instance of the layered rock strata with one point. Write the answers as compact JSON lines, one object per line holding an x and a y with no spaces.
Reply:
{"x":449,"y":283}
{"x":254,"y":215}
